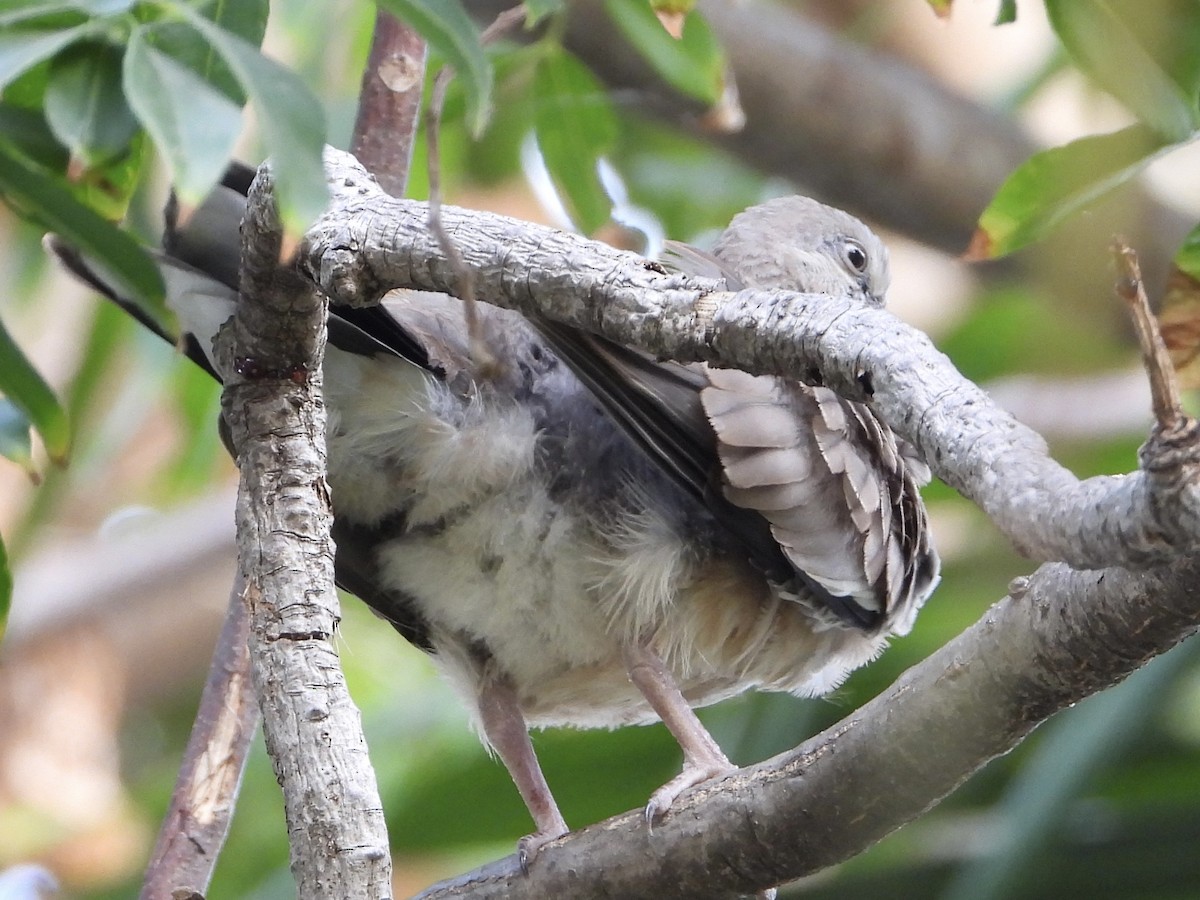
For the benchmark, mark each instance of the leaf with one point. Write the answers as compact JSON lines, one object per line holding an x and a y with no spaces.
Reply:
{"x":694,"y":64}
{"x":1054,"y":183}
{"x":15,"y":442}
{"x":1007,"y":13}
{"x":1111,"y":53}
{"x":448,"y":29}
{"x":85,"y":106}
{"x":179,"y":40}
{"x":27,"y":130}
{"x":536,"y":10}
{"x":25,"y":389}
{"x":941,"y":8}
{"x":245,"y":18}
{"x":22,"y":50}
{"x":18,"y":11}
{"x":574,"y":125}
{"x":290,"y":117}
{"x":39,"y":196}
{"x":1179,"y":318}
{"x":193,"y":125}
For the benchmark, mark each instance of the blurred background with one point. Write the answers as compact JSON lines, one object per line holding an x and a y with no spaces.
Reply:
{"x":123,"y":560}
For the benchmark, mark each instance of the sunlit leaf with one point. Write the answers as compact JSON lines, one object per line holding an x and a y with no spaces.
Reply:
{"x":1101,"y":42}
{"x":37,"y":195}
{"x":693,"y":64}
{"x":575,"y":125}
{"x":1055,"y":183}
{"x":450,"y":31}
{"x":15,"y":441}
{"x":193,"y":125}
{"x":22,"y":50}
{"x":291,"y":120}
{"x":25,"y":389}
{"x":1179,"y":318}
{"x":84,"y":103}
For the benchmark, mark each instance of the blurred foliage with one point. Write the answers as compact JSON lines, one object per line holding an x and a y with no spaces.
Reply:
{"x":1102,"y":802}
{"x":1145,"y":53}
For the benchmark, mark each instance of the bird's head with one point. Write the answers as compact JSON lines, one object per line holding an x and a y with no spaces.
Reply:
{"x":799,"y":244}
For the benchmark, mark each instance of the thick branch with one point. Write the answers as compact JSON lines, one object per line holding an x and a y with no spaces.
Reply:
{"x":270,"y":356}
{"x":860,"y":352}
{"x":1060,"y":637}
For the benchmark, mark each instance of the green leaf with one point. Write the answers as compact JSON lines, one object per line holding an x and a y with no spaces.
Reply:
{"x":25,"y":389}
{"x":18,"y":11}
{"x":575,"y":125}
{"x":290,"y":117}
{"x":1053,"y":184}
{"x":941,"y":8}
{"x":27,"y":130}
{"x":22,"y":50}
{"x":15,"y":442}
{"x":179,"y":40}
{"x":186,"y":47}
{"x":193,"y":125}
{"x":1187,"y":257}
{"x":245,"y":18}
{"x":29,"y":190}
{"x":85,"y":106}
{"x":1102,"y":43}
{"x":536,"y":10}
{"x":448,"y":29}
{"x":693,"y":64}
{"x":1007,"y":13}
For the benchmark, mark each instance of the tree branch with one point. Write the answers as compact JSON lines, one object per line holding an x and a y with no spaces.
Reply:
{"x":1059,"y":637}
{"x":270,"y":355}
{"x":389,"y":102}
{"x":197,"y":821}
{"x":860,"y":352}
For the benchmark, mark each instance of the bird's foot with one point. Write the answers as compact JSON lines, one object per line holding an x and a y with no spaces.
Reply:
{"x":694,"y":773}
{"x":528,"y":846}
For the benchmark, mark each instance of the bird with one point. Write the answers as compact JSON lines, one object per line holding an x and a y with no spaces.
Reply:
{"x":585,"y":535}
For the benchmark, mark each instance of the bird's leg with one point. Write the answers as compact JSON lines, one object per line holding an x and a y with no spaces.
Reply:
{"x":505,"y":729}
{"x":702,"y":758}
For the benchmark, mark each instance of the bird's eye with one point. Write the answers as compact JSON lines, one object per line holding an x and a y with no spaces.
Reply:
{"x":855,"y":256}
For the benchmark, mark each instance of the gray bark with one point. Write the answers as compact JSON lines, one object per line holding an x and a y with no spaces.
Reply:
{"x":1136,"y":520}
{"x":1060,"y":636}
{"x":270,"y":355}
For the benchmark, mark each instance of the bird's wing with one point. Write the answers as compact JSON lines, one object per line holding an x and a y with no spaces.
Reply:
{"x":830,"y":478}
{"x":815,"y":488}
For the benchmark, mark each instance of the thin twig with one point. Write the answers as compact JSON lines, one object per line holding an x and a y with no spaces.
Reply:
{"x":1164,"y":390}
{"x":485,"y":362}
{"x":389,"y":103}
{"x":197,"y":820}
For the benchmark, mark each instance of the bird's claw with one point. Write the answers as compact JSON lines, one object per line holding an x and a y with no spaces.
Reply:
{"x":692,"y":775}
{"x":528,"y":846}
